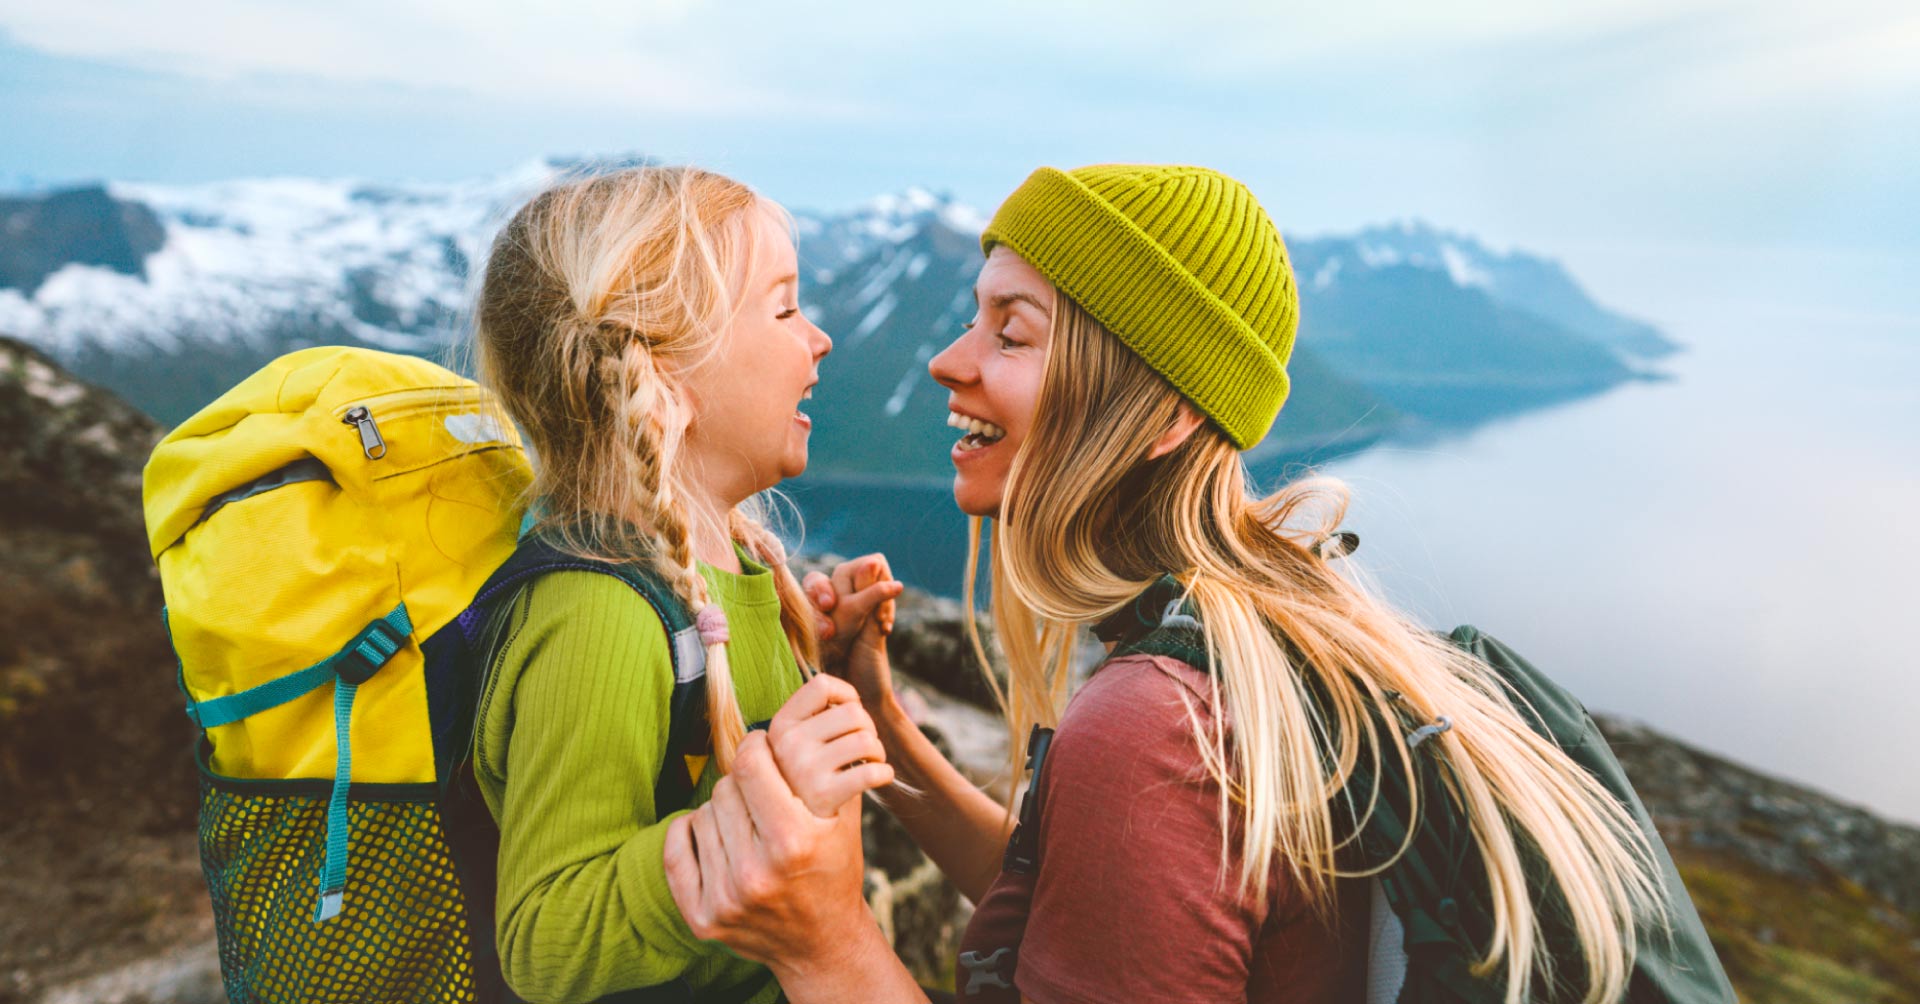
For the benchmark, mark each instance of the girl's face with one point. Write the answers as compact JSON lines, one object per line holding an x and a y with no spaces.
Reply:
{"x":748,"y":431}
{"x":993,"y":372}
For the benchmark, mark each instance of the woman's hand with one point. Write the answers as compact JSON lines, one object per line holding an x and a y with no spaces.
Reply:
{"x":856,"y":605}
{"x":756,"y":869}
{"x":858,"y":595}
{"x":826,"y":747}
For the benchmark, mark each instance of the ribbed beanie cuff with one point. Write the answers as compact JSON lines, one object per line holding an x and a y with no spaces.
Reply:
{"x":1150,"y":300}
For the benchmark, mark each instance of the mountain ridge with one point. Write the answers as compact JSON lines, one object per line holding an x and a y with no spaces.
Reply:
{"x":1405,"y":328}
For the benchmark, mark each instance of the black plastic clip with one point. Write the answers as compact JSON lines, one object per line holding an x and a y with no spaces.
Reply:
{"x":1023,"y":848}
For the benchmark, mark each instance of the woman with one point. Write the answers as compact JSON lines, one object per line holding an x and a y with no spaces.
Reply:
{"x":1133,"y":331}
{"x":642,"y":327}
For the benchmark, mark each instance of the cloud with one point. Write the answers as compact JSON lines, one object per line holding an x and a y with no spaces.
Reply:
{"x":760,"y":58}
{"x":592,"y":53}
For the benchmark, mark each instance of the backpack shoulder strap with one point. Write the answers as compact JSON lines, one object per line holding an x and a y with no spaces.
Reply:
{"x":689,"y":742}
{"x":1159,"y":621}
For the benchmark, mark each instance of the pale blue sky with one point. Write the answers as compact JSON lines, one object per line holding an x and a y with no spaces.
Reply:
{"x":1603,"y":133}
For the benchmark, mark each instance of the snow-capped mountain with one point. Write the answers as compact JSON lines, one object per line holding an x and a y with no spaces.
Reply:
{"x":170,"y":293}
{"x":1517,"y":279}
{"x":263,"y":259}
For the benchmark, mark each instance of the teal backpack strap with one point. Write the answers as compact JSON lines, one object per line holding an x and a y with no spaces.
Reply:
{"x":355,"y":663}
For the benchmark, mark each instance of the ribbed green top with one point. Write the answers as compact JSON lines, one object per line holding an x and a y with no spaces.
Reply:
{"x":572,"y":735}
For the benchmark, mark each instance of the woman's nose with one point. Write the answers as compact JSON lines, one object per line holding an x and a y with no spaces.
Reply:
{"x":950,"y":367}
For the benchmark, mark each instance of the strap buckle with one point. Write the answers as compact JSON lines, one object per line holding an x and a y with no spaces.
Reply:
{"x":368,"y":651}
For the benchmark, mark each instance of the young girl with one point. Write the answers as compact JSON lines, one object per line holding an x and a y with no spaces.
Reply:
{"x":642,"y":328}
{"x":1133,"y":332}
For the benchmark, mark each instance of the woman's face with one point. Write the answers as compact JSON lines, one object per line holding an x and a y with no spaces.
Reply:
{"x":748,"y":432}
{"x":993,"y":372}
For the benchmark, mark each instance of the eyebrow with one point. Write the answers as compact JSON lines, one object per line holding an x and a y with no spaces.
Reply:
{"x":793,"y":277}
{"x":1002,"y":301}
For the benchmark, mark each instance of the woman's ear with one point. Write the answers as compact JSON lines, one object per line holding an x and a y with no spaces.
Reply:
{"x":1183,"y":425}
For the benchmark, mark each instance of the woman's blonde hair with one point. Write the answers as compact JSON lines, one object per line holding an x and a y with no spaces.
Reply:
{"x":1304,"y":662}
{"x":597,"y":295}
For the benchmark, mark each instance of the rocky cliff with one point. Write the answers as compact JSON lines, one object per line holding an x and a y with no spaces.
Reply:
{"x":1809,"y":899}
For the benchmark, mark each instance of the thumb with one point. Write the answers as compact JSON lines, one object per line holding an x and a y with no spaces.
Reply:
{"x":862,"y":603}
{"x":819,"y":589}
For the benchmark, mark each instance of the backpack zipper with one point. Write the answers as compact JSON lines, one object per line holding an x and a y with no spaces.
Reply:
{"x":400,"y":404}
{"x":370,"y":442}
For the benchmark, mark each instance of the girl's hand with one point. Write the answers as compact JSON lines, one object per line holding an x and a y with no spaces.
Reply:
{"x":757,"y":870}
{"x":855,"y":605}
{"x":826,"y":747}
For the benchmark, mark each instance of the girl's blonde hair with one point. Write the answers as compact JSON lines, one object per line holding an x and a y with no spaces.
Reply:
{"x":597,"y":295}
{"x":1088,"y":522}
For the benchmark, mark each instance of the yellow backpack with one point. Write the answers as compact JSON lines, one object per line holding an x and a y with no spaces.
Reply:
{"x":316,"y":528}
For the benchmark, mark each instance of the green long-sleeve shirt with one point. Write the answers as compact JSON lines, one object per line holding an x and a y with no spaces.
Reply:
{"x":572,"y":736}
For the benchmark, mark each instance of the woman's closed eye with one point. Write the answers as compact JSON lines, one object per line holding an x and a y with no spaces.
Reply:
{"x":1006,"y":341}
{"x":786,"y":312}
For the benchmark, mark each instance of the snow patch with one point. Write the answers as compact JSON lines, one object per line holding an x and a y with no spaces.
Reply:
{"x":1464,"y":271}
{"x":1379,"y":255}
{"x":897,"y":402}
{"x":875,"y":317}
{"x":881,"y":280}
{"x":1323,"y":276}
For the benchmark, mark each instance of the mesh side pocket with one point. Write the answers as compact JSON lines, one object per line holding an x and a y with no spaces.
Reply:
{"x":402,"y":937}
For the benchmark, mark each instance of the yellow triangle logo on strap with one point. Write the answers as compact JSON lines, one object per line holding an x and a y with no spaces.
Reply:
{"x":696,"y":765}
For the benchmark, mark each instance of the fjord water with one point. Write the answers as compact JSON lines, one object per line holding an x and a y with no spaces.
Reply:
{"x":1731,"y":555}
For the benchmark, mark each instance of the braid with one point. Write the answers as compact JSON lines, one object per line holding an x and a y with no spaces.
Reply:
{"x":647,"y":411}
{"x":796,"y":611}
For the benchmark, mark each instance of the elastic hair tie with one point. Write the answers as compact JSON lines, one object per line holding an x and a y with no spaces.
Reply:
{"x":712,"y":622}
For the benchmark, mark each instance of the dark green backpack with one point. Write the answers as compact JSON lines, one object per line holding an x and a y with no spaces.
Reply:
{"x":1436,"y":893}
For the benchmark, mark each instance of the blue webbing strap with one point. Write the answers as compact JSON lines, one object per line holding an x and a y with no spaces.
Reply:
{"x":353,"y":665}
{"x":271,"y":694}
{"x":333,"y":882}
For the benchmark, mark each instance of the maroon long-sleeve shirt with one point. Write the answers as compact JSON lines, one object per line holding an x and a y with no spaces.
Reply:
{"x":1130,"y":902}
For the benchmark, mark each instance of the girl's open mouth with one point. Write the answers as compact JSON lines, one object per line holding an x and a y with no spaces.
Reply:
{"x":800,"y":416}
{"x":978,"y":433}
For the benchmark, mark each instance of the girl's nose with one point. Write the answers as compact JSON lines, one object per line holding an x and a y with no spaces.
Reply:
{"x":821,"y":341}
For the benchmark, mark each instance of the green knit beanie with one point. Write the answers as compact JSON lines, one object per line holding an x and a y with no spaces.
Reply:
{"x":1182,"y":264}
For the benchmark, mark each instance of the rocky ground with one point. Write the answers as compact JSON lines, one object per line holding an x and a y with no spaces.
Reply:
{"x":1808,"y":899}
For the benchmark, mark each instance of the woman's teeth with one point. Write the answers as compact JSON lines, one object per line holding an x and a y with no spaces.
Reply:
{"x":978,"y":433}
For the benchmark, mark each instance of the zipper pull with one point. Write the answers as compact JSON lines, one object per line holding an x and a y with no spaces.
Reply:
{"x":370,"y":440}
